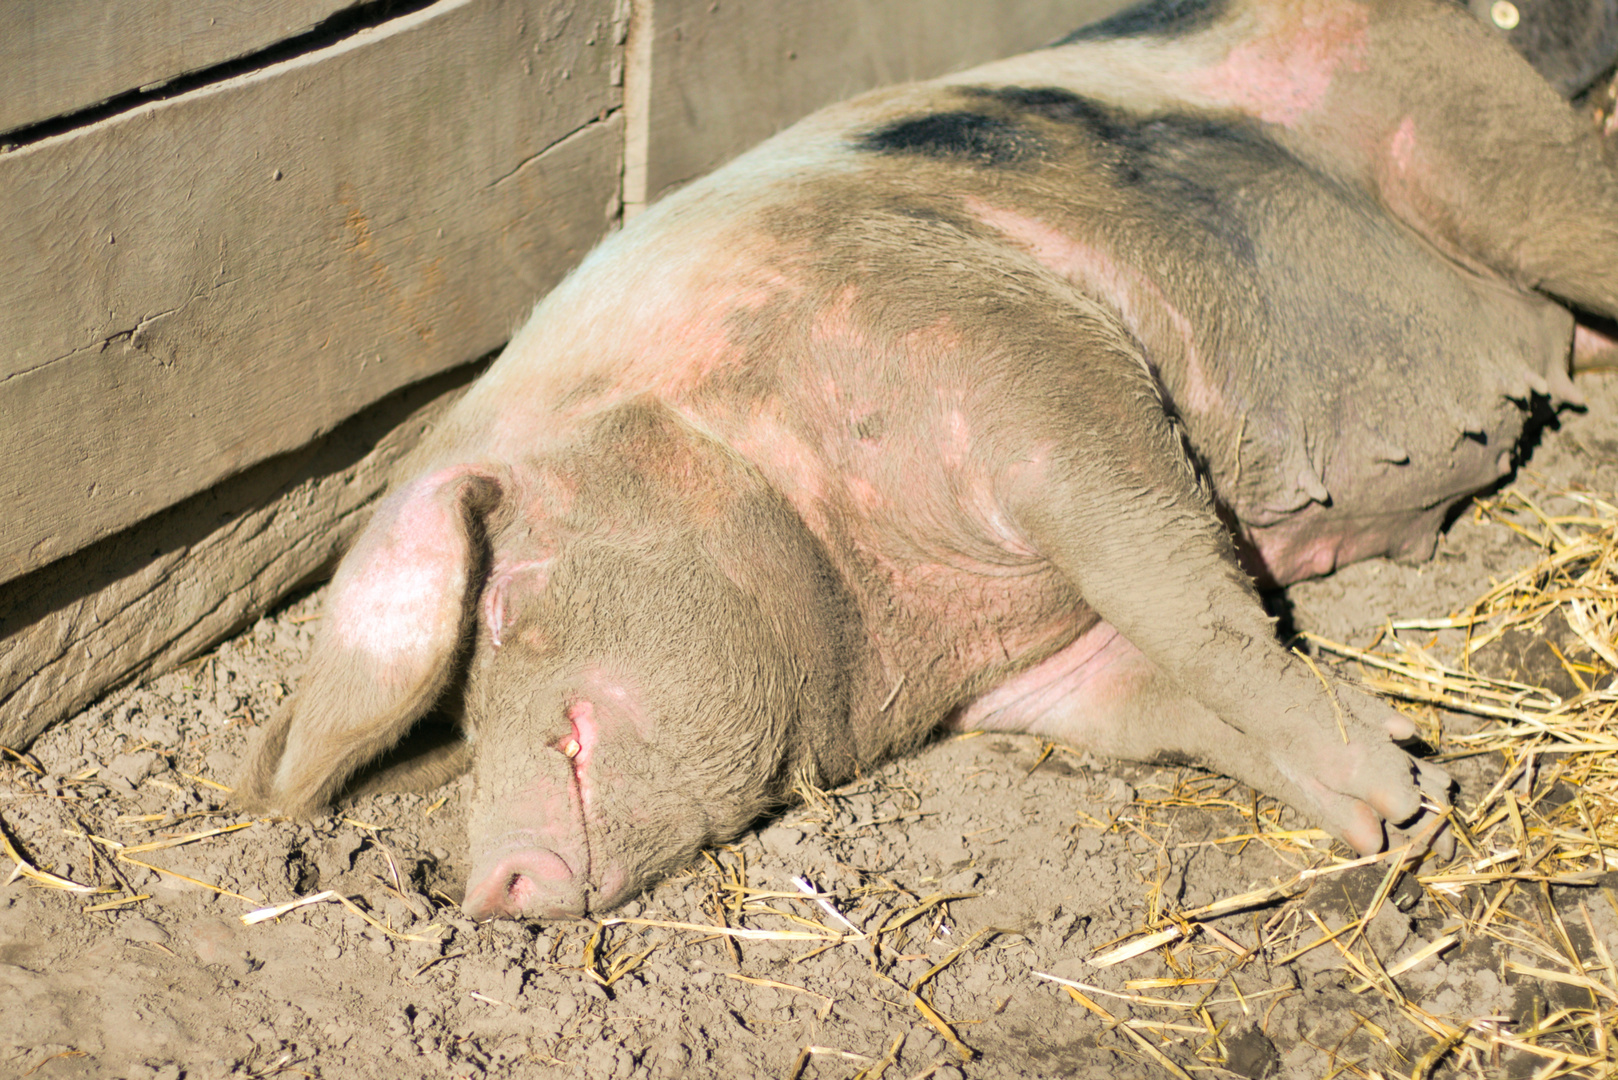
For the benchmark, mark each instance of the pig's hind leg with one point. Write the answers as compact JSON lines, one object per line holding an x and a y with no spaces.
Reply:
{"x":1460,"y":137}
{"x":1112,"y":500}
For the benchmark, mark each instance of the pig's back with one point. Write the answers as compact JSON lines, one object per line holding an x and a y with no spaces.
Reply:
{"x":845,"y":305}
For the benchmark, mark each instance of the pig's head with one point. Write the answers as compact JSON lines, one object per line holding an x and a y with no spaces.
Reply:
{"x":632,"y":713}
{"x":653,"y":650}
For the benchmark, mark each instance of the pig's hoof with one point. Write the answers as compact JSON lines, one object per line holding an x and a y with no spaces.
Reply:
{"x":1409,"y":803}
{"x":1372,"y":794}
{"x":1429,"y":830}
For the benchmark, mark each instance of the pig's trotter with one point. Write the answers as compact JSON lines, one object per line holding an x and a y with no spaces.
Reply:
{"x":1346,"y":775}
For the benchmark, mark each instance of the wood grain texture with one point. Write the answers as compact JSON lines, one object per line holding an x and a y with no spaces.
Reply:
{"x":142,"y":602}
{"x":206,"y":282}
{"x":725,"y":75}
{"x":61,"y":56}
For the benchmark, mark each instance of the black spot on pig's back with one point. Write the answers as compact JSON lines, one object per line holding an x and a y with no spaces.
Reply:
{"x":1153,"y":18}
{"x":1184,"y":167}
{"x":1200,"y":179}
{"x":957,"y":135}
{"x":1139,"y":136}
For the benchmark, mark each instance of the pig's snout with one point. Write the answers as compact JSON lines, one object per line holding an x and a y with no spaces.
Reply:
{"x":524,"y":883}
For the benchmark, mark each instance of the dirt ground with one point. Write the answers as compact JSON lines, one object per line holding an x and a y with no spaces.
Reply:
{"x":1010,"y":863}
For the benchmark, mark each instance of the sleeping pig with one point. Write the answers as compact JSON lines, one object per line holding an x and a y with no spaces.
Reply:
{"x":979,"y":403}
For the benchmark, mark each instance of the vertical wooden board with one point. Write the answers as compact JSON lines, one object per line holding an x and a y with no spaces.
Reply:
{"x":60,"y":56}
{"x":724,"y":75}
{"x":221,"y":277}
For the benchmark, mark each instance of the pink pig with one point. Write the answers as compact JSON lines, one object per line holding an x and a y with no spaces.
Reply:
{"x":977,"y":403}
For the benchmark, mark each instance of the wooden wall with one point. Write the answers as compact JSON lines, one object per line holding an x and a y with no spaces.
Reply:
{"x":250,"y":247}
{"x":726,"y":75}
{"x":69,"y":55}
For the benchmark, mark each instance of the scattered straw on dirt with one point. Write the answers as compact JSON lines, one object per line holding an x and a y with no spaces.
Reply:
{"x":1534,"y":851}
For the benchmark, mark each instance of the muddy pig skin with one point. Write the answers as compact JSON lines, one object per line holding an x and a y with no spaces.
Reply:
{"x":1572,"y":43}
{"x":941,"y":409}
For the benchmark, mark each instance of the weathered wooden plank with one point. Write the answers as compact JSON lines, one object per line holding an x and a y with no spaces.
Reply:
{"x":60,"y":56}
{"x":724,"y":75}
{"x":214,"y":279}
{"x":139,"y":603}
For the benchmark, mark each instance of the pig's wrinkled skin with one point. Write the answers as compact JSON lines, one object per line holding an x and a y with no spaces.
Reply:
{"x":939,"y":410}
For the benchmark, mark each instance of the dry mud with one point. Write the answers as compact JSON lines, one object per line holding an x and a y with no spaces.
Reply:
{"x":1046,"y":859}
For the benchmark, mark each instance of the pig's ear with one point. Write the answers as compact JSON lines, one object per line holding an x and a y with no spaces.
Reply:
{"x":394,"y":620}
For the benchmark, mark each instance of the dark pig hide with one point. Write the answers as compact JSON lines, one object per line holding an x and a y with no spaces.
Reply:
{"x":939,"y":410}
{"x":1572,"y":43}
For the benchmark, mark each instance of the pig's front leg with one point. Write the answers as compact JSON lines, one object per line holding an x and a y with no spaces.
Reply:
{"x":1102,"y":694}
{"x":1120,"y":512}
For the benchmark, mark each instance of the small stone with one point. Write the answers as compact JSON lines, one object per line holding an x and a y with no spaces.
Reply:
{"x":779,"y":840}
{"x":1117,"y":791}
{"x":1252,"y":1054}
{"x":221,"y":764}
{"x":133,"y":767}
{"x":136,"y":928}
{"x":215,"y":941}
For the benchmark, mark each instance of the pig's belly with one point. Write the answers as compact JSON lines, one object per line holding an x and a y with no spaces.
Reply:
{"x":1316,"y":541}
{"x":1089,"y":675}
{"x":1393,"y":431}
